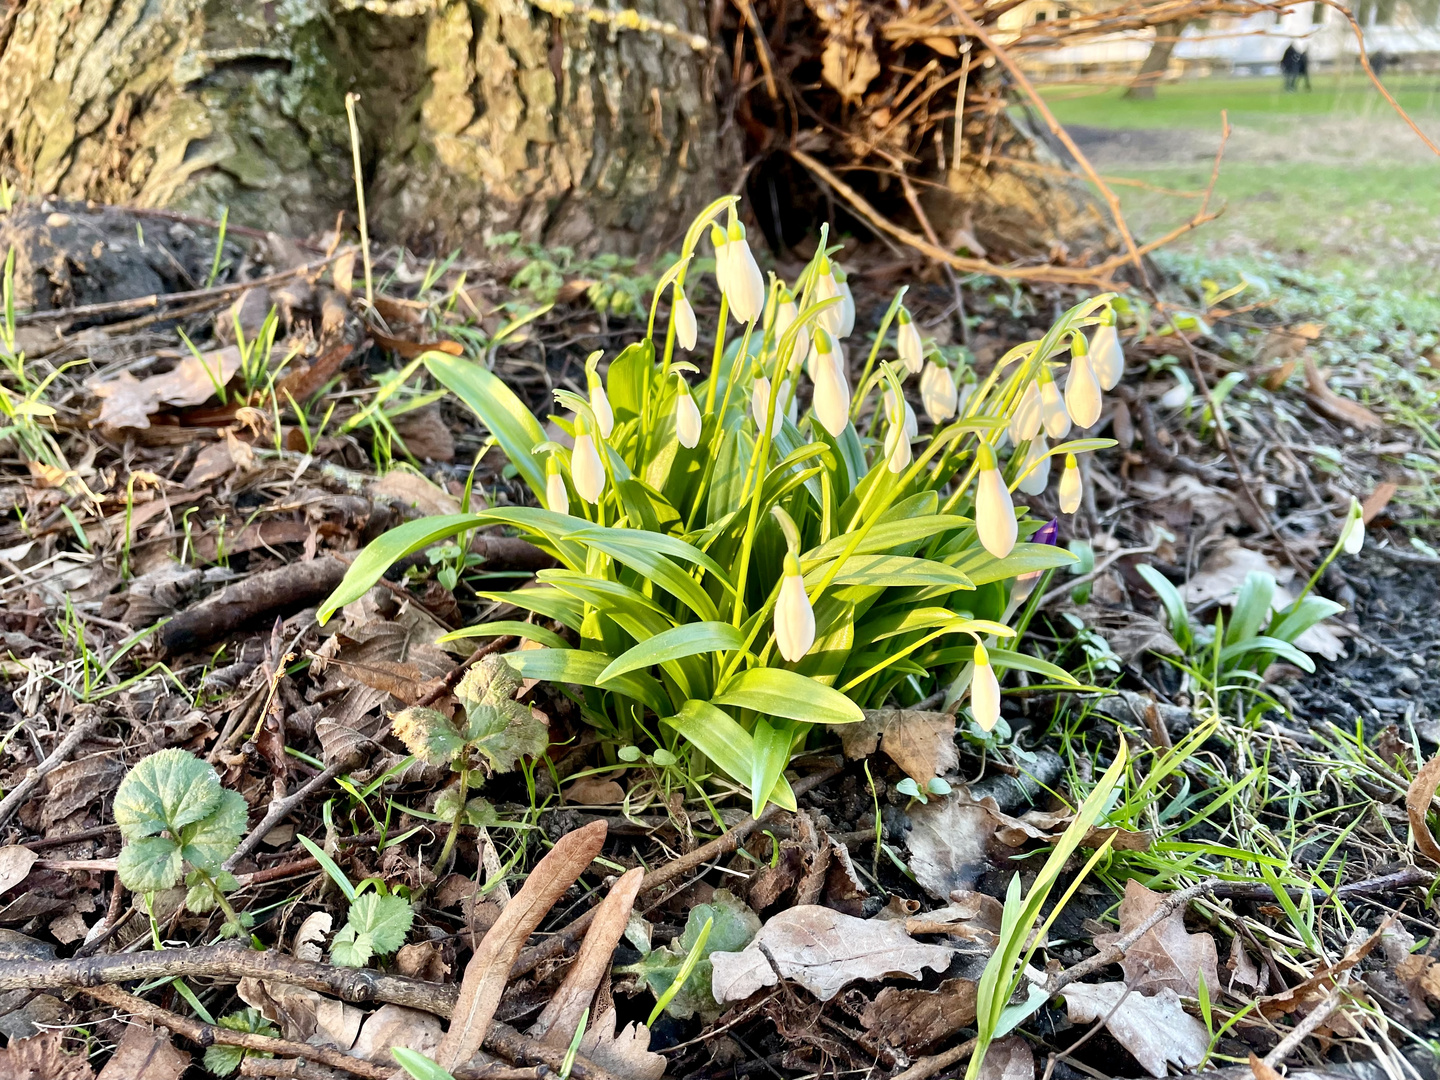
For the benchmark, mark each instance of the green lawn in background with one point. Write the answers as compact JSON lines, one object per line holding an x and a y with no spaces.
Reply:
{"x":1259,"y":101}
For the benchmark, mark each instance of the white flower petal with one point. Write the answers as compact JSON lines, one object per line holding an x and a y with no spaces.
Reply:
{"x":994,"y":514}
{"x":794,"y":619}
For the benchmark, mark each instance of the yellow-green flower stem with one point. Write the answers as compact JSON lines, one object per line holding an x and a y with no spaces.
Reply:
{"x":449,"y":845}
{"x":875,"y":350}
{"x":718,"y":354}
{"x":741,"y":354}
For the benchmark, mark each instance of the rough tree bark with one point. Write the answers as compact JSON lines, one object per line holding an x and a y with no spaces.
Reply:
{"x":1157,"y":60}
{"x":476,"y":117}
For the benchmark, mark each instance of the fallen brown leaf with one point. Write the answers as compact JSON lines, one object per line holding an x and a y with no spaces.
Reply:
{"x":1421,"y":977}
{"x":1277,"y":376}
{"x":128,"y":402}
{"x":413,"y":490}
{"x":915,"y":1020}
{"x":1313,"y":990}
{"x":1340,"y":409}
{"x":824,"y":951}
{"x":1009,"y":1058}
{"x":921,"y":743}
{"x":1167,"y":956}
{"x":42,"y":1057}
{"x":1378,"y":500}
{"x":145,"y":1054}
{"x":1156,"y":1030}
{"x":624,"y":1053}
{"x":394,"y":1025}
{"x":15,"y":864}
{"x":1417,"y":805}
{"x":1261,"y":1070}
{"x":595,"y":791}
{"x":409,"y":350}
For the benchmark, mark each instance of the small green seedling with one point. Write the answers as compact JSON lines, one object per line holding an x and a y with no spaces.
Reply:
{"x":378,"y":920}
{"x":936,"y":786}
{"x":496,"y":728}
{"x":173,"y":813}
{"x":222,"y":1059}
{"x":679,"y":974}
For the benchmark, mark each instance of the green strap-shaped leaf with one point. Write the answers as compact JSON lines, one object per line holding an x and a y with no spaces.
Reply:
{"x":890,"y":571}
{"x":384,"y":551}
{"x":548,"y":602}
{"x":1259,"y":645}
{"x":982,"y":568}
{"x":1007,"y":658}
{"x":780,"y":692}
{"x":771,"y":754}
{"x":649,"y":563}
{"x":584,"y":668}
{"x":888,"y":535}
{"x":507,"y":417}
{"x":671,"y":546}
{"x":717,"y":735}
{"x":510,"y":627}
{"x":691,"y":639}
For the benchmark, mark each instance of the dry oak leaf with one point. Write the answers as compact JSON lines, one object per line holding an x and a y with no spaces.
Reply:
{"x":145,"y":1054}
{"x":625,"y":1053}
{"x":1155,"y":1030}
{"x":128,"y":402}
{"x":1166,"y":956}
{"x":921,"y":743}
{"x":42,"y":1057}
{"x":15,"y":864}
{"x":915,"y":1020}
{"x":1312,"y":991}
{"x":595,"y":791}
{"x":824,"y":951}
{"x":1417,"y":805}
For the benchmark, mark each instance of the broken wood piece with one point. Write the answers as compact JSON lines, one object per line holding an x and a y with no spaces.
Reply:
{"x":287,"y":589}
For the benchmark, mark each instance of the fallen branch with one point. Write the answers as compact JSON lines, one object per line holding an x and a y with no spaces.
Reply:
{"x":288,"y":588}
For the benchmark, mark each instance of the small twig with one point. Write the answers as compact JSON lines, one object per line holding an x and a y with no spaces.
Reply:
{"x":280,"y":807}
{"x":1110,"y":560}
{"x":1310,"y":1024}
{"x":565,"y":938}
{"x":1116,"y":950}
{"x":61,"y":754}
{"x":1403,"y":879}
{"x":203,"y":1034}
{"x":929,"y":1066}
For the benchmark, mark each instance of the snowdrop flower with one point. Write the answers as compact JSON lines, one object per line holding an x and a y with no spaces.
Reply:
{"x":908,"y":343}
{"x":786,"y":312}
{"x":938,"y":392}
{"x":1025,"y":422}
{"x":743,"y":284}
{"x":599,"y":401}
{"x":1070,"y":486}
{"x":1179,"y":394}
{"x":847,"y":302}
{"x":760,"y":404}
{"x":1052,"y":406}
{"x":687,"y":418}
{"x":1034,"y":482}
{"x":1106,"y":356}
{"x":1082,"y":388}
{"x":586,"y":472}
{"x":832,"y":319}
{"x":994,"y":512}
{"x":1353,"y":535}
{"x":557,"y":498}
{"x":903,"y":428}
{"x":831,"y":401}
{"x":794,"y":618}
{"x":686,"y":330}
{"x":984,"y":691}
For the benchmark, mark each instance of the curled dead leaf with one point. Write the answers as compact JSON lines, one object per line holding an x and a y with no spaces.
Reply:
{"x":1417,"y":805}
{"x":1337,"y":408}
{"x":1167,"y":956}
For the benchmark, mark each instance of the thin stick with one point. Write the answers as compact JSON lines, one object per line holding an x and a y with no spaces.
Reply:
{"x":61,"y":754}
{"x":350,"y":100}
{"x":203,"y":1034}
{"x":279,"y":808}
{"x":1312,"y":1021}
{"x":929,"y":1066}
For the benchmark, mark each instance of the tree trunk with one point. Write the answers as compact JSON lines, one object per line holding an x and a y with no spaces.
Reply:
{"x":475,"y":118}
{"x":1167,"y":36}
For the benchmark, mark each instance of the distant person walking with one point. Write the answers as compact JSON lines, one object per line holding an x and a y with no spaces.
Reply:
{"x":1290,"y":67}
{"x":1302,"y":70}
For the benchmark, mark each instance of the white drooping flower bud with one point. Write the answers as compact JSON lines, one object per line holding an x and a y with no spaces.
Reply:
{"x":908,"y":343}
{"x":794,"y":618}
{"x":686,"y":329}
{"x":1180,"y":394}
{"x":1106,"y":357}
{"x":1070,"y":486}
{"x":760,"y":404}
{"x":897,"y":439}
{"x":586,"y":471}
{"x":557,"y":498}
{"x":786,"y":312}
{"x":847,"y":302}
{"x":994,"y":512}
{"x":984,"y":691}
{"x":1025,"y":421}
{"x":1034,"y":482}
{"x":831,"y":400}
{"x":938,"y":392}
{"x":600,"y":404}
{"x":687,"y":418}
{"x":1082,"y":390}
{"x":745,"y":288}
{"x":1052,"y":406}
{"x":832,"y":319}
{"x":1353,"y":536}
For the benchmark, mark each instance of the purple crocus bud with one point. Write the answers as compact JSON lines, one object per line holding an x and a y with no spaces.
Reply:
{"x":1049,"y":533}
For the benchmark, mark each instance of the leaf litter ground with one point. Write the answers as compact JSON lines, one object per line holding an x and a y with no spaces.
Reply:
{"x":846,"y":938}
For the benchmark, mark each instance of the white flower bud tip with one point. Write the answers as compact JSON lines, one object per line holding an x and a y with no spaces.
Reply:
{"x":794,"y":618}
{"x":938,"y":393}
{"x":686,"y":329}
{"x":586,"y":471}
{"x":908,"y":343}
{"x":984,"y":691}
{"x":600,"y":406}
{"x":832,"y":319}
{"x":786,"y":312}
{"x":760,"y":404}
{"x":746,"y":286}
{"x":847,"y":302}
{"x":1106,"y":357}
{"x":1082,"y":391}
{"x":1354,"y":535}
{"x":831,"y":401}
{"x":1025,"y":421}
{"x":557,"y":498}
{"x":1071,"y":486}
{"x":687,"y":419}
{"x":994,"y":512}
{"x":1052,"y":407}
{"x":1033,"y":481}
